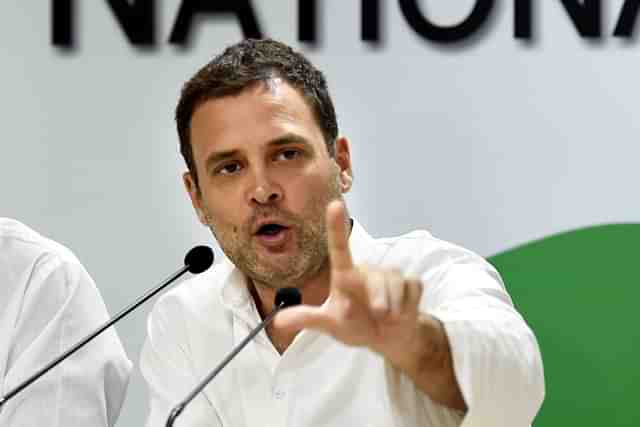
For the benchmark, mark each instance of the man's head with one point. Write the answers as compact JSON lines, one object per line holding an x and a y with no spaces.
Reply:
{"x":244,"y":64}
{"x":259,"y":135}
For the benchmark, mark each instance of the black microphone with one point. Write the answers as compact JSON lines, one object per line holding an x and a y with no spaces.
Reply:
{"x":197,"y":260}
{"x":285,"y":297}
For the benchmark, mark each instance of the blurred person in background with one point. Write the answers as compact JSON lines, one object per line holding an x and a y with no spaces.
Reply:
{"x":48,"y":302}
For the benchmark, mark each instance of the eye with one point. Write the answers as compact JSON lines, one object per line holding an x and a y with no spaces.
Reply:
{"x":228,"y":169}
{"x":288,"y":154}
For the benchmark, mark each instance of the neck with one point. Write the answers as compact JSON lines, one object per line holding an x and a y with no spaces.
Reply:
{"x":314,"y":292}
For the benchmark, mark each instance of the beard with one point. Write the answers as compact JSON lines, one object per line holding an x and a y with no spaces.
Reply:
{"x":309,"y":229}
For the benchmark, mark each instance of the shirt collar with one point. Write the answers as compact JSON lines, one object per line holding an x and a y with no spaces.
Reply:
{"x":362,"y":245}
{"x":234,"y":292}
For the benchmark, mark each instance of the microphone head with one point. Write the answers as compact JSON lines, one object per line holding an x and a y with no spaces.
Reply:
{"x":198,"y":259}
{"x":288,"y":297}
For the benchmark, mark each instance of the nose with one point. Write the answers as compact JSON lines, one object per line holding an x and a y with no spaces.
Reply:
{"x":265,"y":191}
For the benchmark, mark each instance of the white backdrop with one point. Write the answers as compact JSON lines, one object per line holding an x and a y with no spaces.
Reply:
{"x":488,"y":144}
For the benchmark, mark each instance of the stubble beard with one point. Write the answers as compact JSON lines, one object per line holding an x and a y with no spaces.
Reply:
{"x":309,"y":258}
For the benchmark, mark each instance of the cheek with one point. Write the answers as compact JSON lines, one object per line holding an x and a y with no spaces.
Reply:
{"x":301,"y":192}
{"x":309,"y":193}
{"x":225,"y":218}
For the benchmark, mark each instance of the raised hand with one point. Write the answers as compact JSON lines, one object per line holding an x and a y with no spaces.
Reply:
{"x":367,"y":306}
{"x":378,"y":308}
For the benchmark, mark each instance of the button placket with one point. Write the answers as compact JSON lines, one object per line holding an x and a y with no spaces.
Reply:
{"x":279,"y":393}
{"x":280,"y":390}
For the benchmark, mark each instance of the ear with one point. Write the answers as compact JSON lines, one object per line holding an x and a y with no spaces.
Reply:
{"x":342,"y":158}
{"x":196,"y":197}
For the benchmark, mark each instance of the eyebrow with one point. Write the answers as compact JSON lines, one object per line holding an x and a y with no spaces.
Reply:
{"x":289,"y":138}
{"x":286,"y":139}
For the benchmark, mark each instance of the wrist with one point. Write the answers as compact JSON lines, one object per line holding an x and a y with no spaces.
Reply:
{"x":426,"y":348}
{"x":426,"y":359}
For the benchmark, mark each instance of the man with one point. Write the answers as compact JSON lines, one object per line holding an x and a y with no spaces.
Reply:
{"x":48,"y":302}
{"x":394,"y":332}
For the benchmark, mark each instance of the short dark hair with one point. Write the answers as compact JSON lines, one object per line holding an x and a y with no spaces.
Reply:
{"x":244,"y":64}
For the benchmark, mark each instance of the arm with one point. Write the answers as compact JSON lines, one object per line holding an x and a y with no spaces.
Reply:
{"x":495,"y":355}
{"x":428,"y":362}
{"x":474,"y":352}
{"x":454,"y":333}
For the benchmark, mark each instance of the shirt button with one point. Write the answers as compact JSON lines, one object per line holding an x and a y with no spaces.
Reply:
{"x":279,"y":394}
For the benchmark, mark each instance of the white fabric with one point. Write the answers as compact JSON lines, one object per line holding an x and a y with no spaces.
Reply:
{"x":47,"y":303}
{"x":320,"y":382}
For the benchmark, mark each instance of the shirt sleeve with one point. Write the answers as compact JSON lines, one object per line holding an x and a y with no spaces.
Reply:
{"x":496,"y":358}
{"x":166,"y":367}
{"x":60,"y":305}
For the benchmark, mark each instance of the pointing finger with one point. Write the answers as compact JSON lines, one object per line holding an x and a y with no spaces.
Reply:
{"x":338,"y":235}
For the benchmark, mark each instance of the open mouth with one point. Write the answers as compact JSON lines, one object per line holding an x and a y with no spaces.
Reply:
{"x":271,"y":229}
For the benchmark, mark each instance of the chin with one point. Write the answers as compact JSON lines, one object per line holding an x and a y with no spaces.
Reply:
{"x":278,"y":278}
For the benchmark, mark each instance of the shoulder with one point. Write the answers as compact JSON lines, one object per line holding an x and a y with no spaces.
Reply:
{"x":449,"y":271}
{"x":19,"y":240}
{"x":420,"y":246}
{"x":186,"y":319}
{"x":196,"y":298}
{"x":420,"y":254}
{"x":26,"y":256}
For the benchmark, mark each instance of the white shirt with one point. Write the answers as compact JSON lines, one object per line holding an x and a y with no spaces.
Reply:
{"x":48,"y":302}
{"x":318,"y":381}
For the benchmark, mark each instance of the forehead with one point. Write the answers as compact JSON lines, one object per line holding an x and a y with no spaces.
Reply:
{"x":258,"y":114}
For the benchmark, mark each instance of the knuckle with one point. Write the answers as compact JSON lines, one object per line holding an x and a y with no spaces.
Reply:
{"x":380,"y":311}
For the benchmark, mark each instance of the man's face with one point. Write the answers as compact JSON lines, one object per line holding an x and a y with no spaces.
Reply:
{"x":265,"y":179}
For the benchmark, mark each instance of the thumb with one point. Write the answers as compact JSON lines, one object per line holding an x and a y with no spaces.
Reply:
{"x":304,"y":317}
